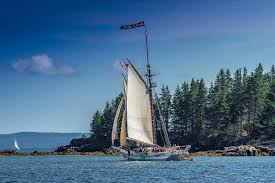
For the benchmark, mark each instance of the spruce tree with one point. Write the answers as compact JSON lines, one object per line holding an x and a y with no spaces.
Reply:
{"x":200,"y":113}
{"x":220,"y":109}
{"x":177,"y":126}
{"x":107,"y":122}
{"x":193,"y":92}
{"x":96,"y":126}
{"x":266,"y":124}
{"x":186,"y":113}
{"x":237,"y":105}
{"x":165,"y":105}
{"x":270,"y":76}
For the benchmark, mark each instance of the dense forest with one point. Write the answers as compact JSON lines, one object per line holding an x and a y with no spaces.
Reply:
{"x":233,"y":110}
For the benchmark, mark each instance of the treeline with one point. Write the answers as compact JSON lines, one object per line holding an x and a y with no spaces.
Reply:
{"x":232,"y":110}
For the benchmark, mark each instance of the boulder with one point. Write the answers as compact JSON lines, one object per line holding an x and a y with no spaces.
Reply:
{"x":272,"y":152}
{"x":231,"y":148}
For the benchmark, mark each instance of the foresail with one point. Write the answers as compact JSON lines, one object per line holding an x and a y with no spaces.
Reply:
{"x":123,"y":130}
{"x":139,"y":118}
{"x":125,"y":86}
{"x":114,"y":130}
{"x":123,"y":133}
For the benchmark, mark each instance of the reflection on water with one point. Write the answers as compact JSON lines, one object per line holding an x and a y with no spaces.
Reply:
{"x":115,"y":169}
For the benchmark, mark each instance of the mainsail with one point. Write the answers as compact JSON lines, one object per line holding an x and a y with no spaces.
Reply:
{"x":139,"y":117}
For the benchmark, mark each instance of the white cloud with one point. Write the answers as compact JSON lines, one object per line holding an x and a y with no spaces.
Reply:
{"x":42,"y":64}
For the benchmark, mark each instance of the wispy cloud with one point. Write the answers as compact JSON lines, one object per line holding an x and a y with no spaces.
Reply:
{"x":44,"y":65}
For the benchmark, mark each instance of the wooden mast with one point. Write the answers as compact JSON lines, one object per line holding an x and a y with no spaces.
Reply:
{"x":149,"y":81}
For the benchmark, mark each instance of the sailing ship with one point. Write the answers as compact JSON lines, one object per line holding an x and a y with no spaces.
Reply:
{"x":136,"y":139}
{"x":16,"y":145}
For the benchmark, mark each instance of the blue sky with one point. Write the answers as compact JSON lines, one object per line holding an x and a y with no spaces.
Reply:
{"x":57,"y":58}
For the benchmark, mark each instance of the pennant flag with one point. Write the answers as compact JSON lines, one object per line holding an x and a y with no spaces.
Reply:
{"x":124,"y":65}
{"x":139,"y":24}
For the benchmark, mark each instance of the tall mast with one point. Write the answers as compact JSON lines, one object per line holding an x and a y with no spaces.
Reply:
{"x":149,"y":82}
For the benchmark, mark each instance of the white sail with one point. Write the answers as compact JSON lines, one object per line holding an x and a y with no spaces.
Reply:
{"x":115,"y":124}
{"x":124,"y":86}
{"x":16,"y":145}
{"x":114,"y":130}
{"x":123,"y":133}
{"x":139,"y":118}
{"x":123,"y":130}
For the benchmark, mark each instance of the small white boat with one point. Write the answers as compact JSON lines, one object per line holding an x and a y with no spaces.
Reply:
{"x":16,"y":145}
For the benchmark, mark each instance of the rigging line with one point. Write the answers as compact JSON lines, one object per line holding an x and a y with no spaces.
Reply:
{"x":163,"y":141}
{"x":168,"y":143}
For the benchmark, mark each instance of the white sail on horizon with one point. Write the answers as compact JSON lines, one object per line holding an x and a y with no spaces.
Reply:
{"x":139,"y":118}
{"x":16,"y":145}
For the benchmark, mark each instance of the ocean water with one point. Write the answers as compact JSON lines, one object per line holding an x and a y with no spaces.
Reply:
{"x":115,"y":169}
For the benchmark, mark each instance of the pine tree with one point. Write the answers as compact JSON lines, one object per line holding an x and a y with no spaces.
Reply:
{"x":266,"y":124}
{"x":96,"y":126}
{"x":209,"y":125}
{"x":165,"y":105}
{"x":193,"y":92}
{"x":177,"y":126}
{"x":249,"y":101}
{"x":236,"y":105}
{"x":107,"y":122}
{"x":260,"y":90}
{"x":270,"y":76}
{"x":200,"y":112}
{"x":220,"y":110}
{"x":186,"y":113}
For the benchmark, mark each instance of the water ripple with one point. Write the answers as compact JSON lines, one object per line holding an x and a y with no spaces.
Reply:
{"x":114,"y":169}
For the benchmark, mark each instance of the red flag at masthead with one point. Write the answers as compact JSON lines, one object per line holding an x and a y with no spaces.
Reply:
{"x":132,"y":26}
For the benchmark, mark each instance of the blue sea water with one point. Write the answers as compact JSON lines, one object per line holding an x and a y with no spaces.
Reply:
{"x":115,"y":169}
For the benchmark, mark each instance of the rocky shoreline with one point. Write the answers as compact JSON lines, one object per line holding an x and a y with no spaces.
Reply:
{"x":243,"y":150}
{"x":84,"y":146}
{"x":36,"y":153}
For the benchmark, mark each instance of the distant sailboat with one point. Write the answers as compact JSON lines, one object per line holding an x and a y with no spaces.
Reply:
{"x":16,"y":144}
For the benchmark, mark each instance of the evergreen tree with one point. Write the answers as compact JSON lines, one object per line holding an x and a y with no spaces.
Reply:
{"x":200,"y":113}
{"x":193,"y":92}
{"x":96,"y":127}
{"x":249,"y":100}
{"x":177,"y":126}
{"x":220,"y":110}
{"x":186,"y":113}
{"x":271,"y":75}
{"x":261,"y":90}
{"x":107,"y":121}
{"x":209,"y":125}
{"x":166,"y":105}
{"x":237,"y":105}
{"x":266,"y":123}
